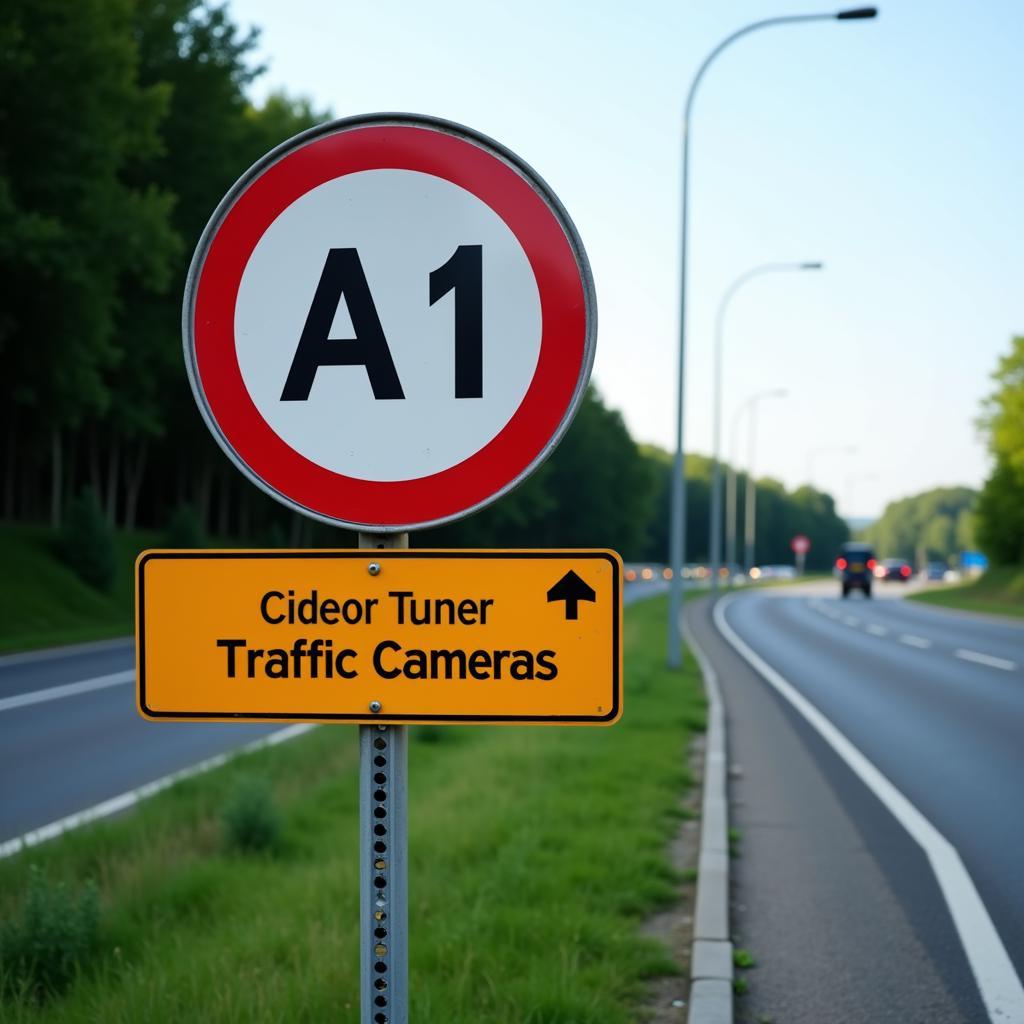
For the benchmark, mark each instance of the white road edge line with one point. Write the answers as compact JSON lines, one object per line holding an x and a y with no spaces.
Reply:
{"x":876,"y":630}
{"x":985,"y":659}
{"x":21,"y":700}
{"x":1000,"y":988}
{"x":914,"y":641}
{"x":134,"y":796}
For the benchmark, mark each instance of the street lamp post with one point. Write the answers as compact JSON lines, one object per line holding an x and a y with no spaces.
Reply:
{"x":677,"y":524}
{"x":750,"y":515}
{"x":730,"y":480}
{"x":715,"y":523}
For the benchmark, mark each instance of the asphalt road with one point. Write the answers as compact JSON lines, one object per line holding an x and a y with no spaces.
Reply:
{"x":838,"y":903}
{"x":80,"y":741}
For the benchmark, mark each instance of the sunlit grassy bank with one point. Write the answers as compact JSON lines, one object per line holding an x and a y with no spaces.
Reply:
{"x":999,"y":591}
{"x":535,"y":853}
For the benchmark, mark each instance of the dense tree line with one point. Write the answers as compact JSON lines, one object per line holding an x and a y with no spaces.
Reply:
{"x":1001,"y":503}
{"x":937,"y":525}
{"x":122,"y":124}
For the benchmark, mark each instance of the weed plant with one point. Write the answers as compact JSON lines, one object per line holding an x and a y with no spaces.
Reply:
{"x":252,"y":822}
{"x":42,"y":949}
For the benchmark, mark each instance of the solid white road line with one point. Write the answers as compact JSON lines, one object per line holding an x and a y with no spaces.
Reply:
{"x":135,"y":796}
{"x":849,"y":620}
{"x":1000,"y":988}
{"x":64,"y":651}
{"x":985,"y":659}
{"x":914,"y":641}
{"x":876,"y":630}
{"x":20,"y":700}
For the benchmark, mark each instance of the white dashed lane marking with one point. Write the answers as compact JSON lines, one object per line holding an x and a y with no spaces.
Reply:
{"x":911,"y":640}
{"x":914,"y":641}
{"x":985,"y":659}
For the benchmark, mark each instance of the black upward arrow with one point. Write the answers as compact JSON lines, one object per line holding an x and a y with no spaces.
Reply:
{"x":571,"y":589}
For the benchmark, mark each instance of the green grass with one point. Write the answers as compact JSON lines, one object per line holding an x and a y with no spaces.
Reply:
{"x":43,"y":602}
{"x":535,"y":854}
{"x":1000,"y":591}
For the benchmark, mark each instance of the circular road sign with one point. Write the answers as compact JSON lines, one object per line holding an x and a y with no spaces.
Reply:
{"x":389,"y":322}
{"x":800,"y":544}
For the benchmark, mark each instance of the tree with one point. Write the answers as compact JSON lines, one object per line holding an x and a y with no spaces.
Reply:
{"x":211,"y":134}
{"x":1000,"y":514}
{"x":932,"y":525}
{"x":73,"y":114}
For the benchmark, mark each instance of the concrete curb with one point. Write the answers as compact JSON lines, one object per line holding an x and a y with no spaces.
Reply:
{"x":711,"y":996}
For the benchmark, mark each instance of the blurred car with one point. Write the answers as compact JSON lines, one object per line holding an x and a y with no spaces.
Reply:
{"x":935,"y":571}
{"x":854,"y":567}
{"x":894,"y":569}
{"x":776,"y":572}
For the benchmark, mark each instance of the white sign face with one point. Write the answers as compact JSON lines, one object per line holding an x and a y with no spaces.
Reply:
{"x":389,"y":322}
{"x":404,"y":226}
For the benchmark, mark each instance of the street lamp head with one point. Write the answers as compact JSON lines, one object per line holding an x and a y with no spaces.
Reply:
{"x":857,"y":14}
{"x":812,"y":265}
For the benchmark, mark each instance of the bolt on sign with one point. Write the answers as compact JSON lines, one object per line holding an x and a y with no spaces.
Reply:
{"x":381,"y":636}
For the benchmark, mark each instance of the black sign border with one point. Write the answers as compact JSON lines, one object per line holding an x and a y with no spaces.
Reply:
{"x":382,"y":555}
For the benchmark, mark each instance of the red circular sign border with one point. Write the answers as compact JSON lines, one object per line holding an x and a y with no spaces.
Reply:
{"x":542,"y":229}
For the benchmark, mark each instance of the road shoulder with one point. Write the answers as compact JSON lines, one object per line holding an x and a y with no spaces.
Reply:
{"x":810,"y":898}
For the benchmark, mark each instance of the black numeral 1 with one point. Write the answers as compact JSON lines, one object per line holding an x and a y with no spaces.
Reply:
{"x":463,"y":274}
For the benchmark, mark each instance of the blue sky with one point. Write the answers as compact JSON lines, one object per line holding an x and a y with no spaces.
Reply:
{"x":891,"y":149}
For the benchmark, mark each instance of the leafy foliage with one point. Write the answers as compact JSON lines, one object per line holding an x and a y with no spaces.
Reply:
{"x":937,"y":524}
{"x":41,"y":951}
{"x":1001,"y":505}
{"x":184,"y":529}
{"x":1001,"y":515}
{"x":87,"y":543}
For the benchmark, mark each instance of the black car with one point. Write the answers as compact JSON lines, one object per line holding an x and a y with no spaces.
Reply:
{"x":855,"y":567}
{"x":898,"y":569}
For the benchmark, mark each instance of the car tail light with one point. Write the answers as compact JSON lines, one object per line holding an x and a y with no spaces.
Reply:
{"x":905,"y":570}
{"x":840,"y":563}
{"x":872,"y":563}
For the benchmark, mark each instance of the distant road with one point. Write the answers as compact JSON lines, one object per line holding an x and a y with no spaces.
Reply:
{"x":839,"y":903}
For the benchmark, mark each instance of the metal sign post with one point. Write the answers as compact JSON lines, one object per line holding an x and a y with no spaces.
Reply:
{"x":469,"y":341}
{"x":383,"y":858}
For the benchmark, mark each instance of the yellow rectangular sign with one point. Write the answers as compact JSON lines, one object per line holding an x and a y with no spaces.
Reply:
{"x":370,"y":636}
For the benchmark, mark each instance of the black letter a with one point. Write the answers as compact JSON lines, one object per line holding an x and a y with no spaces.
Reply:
{"x":342,"y":275}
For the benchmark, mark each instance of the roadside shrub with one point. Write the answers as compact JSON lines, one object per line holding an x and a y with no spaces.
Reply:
{"x":252,"y":823}
{"x":41,"y":951}
{"x":184,"y":529}
{"x":87,"y":542}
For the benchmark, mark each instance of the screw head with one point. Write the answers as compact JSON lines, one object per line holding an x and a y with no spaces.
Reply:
{"x":375,"y":706}
{"x":374,"y":568}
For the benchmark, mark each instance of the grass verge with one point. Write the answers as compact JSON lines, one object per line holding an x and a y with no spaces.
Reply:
{"x":1000,"y":591}
{"x":44,"y":603}
{"x":535,"y":854}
